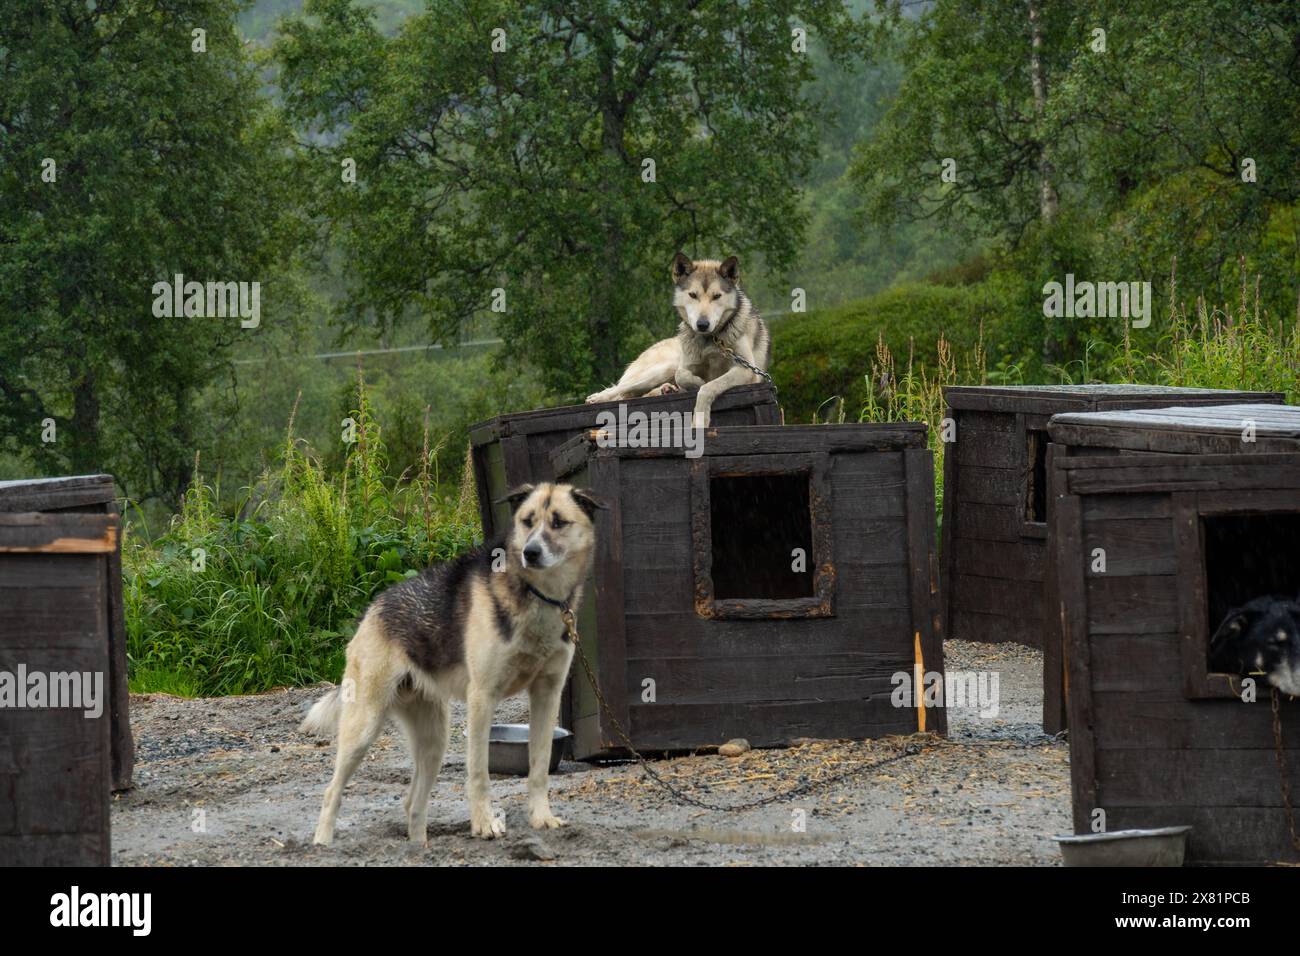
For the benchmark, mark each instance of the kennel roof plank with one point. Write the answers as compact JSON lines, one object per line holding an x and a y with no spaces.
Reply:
{"x":1047,"y":399}
{"x":1182,"y":430}
{"x":51,"y":494}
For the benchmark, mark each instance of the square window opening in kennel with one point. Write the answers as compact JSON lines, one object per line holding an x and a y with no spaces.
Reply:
{"x":772,"y":588}
{"x":1189,"y":432}
{"x":1247,"y":556}
{"x":759,"y":527}
{"x":761,"y":535}
{"x":1244,"y":557}
{"x":1157,"y":738}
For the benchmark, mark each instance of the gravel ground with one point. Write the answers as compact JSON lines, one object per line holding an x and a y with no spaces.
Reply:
{"x":230,"y":781}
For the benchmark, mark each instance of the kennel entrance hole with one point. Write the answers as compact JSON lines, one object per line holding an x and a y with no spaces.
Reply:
{"x":756,"y":523}
{"x":1249,"y":556}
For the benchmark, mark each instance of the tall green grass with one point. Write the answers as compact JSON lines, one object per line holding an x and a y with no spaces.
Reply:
{"x":1229,"y":347}
{"x":266,"y":593}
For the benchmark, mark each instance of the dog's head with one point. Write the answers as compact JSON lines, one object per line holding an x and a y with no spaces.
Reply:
{"x":705,"y":293}
{"x":1261,"y":637}
{"x":552,"y":525}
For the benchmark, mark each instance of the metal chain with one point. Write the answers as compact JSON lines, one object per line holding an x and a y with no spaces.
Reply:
{"x":683,"y":797}
{"x":728,"y":351}
{"x":1281,"y":768}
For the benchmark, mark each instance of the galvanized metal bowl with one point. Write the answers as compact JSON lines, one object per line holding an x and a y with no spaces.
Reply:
{"x":508,"y":748}
{"x":1165,"y":846}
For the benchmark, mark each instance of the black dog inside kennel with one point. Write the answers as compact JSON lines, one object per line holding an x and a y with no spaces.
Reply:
{"x":1249,"y":556}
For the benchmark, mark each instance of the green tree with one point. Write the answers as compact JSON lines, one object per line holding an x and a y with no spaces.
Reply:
{"x":507,"y":145}
{"x":1105,"y":138}
{"x":127,"y":155}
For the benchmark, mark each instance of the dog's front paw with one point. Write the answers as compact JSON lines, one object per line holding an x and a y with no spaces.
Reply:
{"x":700,"y":420}
{"x":545,"y":821}
{"x":486,"y":826}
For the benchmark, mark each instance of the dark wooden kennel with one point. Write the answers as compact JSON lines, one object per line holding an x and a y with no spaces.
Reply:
{"x":513,"y":449}
{"x":1196,"y":430}
{"x":61,"y":612}
{"x":996,"y":500}
{"x":694,"y":587}
{"x":1155,"y":738}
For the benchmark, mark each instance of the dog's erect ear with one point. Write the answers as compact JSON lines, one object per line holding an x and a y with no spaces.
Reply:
{"x":730,"y":269}
{"x":586,"y":501}
{"x":682,"y":266}
{"x":516,"y":496}
{"x":1223,"y":645}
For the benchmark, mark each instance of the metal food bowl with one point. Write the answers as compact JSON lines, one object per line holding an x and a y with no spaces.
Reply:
{"x":508,"y":748}
{"x":1165,"y":846}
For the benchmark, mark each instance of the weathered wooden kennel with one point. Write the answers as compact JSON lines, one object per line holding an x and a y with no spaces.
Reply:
{"x":513,"y":449}
{"x":1156,"y":739}
{"x":771,"y":588}
{"x":1198,"y":430}
{"x":996,"y":501}
{"x":60,"y":614}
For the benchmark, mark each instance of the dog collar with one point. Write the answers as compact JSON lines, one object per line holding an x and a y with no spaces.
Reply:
{"x":565,"y":611}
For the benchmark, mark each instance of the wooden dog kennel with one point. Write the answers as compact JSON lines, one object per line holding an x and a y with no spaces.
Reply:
{"x":514,"y":449}
{"x":1217,"y":429}
{"x":996,"y":501}
{"x":1156,"y":739}
{"x":773,"y":587}
{"x":92,"y":495}
{"x":60,"y":624}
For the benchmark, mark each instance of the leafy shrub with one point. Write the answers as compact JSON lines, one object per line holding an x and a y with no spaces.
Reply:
{"x":821,"y":359}
{"x":268,"y":594}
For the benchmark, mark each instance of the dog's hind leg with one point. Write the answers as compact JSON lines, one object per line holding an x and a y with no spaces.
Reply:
{"x":636,"y":382}
{"x":427,"y":723}
{"x":654,"y":367}
{"x":359,"y":724}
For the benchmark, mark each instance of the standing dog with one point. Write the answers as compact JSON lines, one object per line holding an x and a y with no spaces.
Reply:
{"x":480,"y":628}
{"x":713,"y":309}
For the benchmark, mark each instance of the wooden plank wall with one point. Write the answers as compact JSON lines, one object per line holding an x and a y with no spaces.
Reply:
{"x":993,"y":568}
{"x":55,"y":764}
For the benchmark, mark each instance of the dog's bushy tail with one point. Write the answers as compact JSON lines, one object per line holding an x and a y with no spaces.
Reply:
{"x":323,"y":718}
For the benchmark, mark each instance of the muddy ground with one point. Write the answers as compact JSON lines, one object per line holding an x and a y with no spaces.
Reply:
{"x":232,"y":781}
